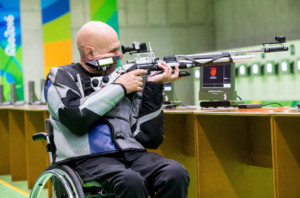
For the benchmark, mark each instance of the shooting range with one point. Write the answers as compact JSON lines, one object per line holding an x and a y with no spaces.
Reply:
{"x":233,"y":126}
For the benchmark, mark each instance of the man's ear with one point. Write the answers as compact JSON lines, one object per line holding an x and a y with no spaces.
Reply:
{"x":89,"y":52}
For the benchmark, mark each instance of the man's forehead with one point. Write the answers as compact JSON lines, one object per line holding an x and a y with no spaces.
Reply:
{"x":116,"y":44}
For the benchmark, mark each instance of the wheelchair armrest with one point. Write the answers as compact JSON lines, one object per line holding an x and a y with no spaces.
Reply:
{"x":40,"y":136}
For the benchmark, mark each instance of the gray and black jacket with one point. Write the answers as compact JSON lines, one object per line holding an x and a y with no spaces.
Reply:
{"x":88,"y":122}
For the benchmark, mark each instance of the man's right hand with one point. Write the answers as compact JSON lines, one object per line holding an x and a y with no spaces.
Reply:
{"x":132,"y":81}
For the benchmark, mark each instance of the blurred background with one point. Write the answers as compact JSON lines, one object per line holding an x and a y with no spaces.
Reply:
{"x":43,"y":33}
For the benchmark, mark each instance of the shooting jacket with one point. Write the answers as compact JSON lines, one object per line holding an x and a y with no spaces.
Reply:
{"x":88,"y":122}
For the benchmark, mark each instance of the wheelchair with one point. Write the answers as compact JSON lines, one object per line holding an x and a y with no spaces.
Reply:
{"x":66,"y":183}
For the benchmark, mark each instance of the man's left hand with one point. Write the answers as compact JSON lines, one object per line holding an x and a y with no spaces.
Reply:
{"x":167,"y":75}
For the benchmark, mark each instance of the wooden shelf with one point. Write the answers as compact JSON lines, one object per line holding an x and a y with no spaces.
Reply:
{"x":228,"y":152}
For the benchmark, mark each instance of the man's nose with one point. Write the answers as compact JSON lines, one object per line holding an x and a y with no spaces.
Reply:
{"x":119,"y":54}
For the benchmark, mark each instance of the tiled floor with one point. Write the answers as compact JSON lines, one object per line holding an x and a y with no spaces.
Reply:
{"x":16,"y":189}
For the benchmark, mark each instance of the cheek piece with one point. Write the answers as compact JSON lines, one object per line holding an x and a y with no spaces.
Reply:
{"x":104,"y":63}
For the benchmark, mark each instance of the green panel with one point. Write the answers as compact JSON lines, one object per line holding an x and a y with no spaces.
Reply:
{"x":113,"y":22}
{"x":56,"y":30}
{"x":12,"y":72}
{"x":95,"y":4}
{"x":105,"y":11}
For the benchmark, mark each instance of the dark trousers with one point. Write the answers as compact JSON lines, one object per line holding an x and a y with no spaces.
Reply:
{"x":148,"y":173}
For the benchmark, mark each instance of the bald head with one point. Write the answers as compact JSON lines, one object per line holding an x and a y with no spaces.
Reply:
{"x":96,"y":38}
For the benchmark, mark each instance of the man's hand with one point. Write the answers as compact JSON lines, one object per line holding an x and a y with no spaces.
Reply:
{"x":132,"y":81}
{"x":167,"y":75}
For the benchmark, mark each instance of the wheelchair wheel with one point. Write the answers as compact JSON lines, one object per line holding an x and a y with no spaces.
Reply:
{"x":66,"y":183}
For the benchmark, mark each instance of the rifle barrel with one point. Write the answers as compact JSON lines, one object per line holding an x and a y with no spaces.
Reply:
{"x":242,"y":58}
{"x":235,"y":59}
{"x":252,"y":51}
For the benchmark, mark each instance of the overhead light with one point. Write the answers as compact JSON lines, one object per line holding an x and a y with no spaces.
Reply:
{"x":298,"y":65}
{"x":242,"y":70}
{"x":256,"y":69}
{"x":269,"y":68}
{"x":197,"y":73}
{"x":285,"y":67}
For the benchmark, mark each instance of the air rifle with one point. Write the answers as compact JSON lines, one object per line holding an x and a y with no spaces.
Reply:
{"x":145,"y":59}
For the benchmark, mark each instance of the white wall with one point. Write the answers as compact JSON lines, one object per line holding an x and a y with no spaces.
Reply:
{"x":240,"y":23}
{"x":172,"y":27}
{"x":32,"y":44}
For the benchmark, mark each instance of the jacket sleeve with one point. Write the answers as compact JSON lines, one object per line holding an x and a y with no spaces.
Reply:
{"x":78,"y":113}
{"x":149,"y":126}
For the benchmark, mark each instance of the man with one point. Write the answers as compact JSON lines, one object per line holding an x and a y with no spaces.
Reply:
{"x":103,"y":133}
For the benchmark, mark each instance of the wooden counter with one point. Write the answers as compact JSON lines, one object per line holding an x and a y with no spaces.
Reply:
{"x":246,"y":152}
{"x":228,"y":152}
{"x":22,"y":157}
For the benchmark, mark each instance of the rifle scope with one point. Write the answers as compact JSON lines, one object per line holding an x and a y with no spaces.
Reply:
{"x":280,"y":39}
{"x":135,"y":47}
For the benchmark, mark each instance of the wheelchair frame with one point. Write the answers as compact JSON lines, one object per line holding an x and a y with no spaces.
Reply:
{"x":71,"y":181}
